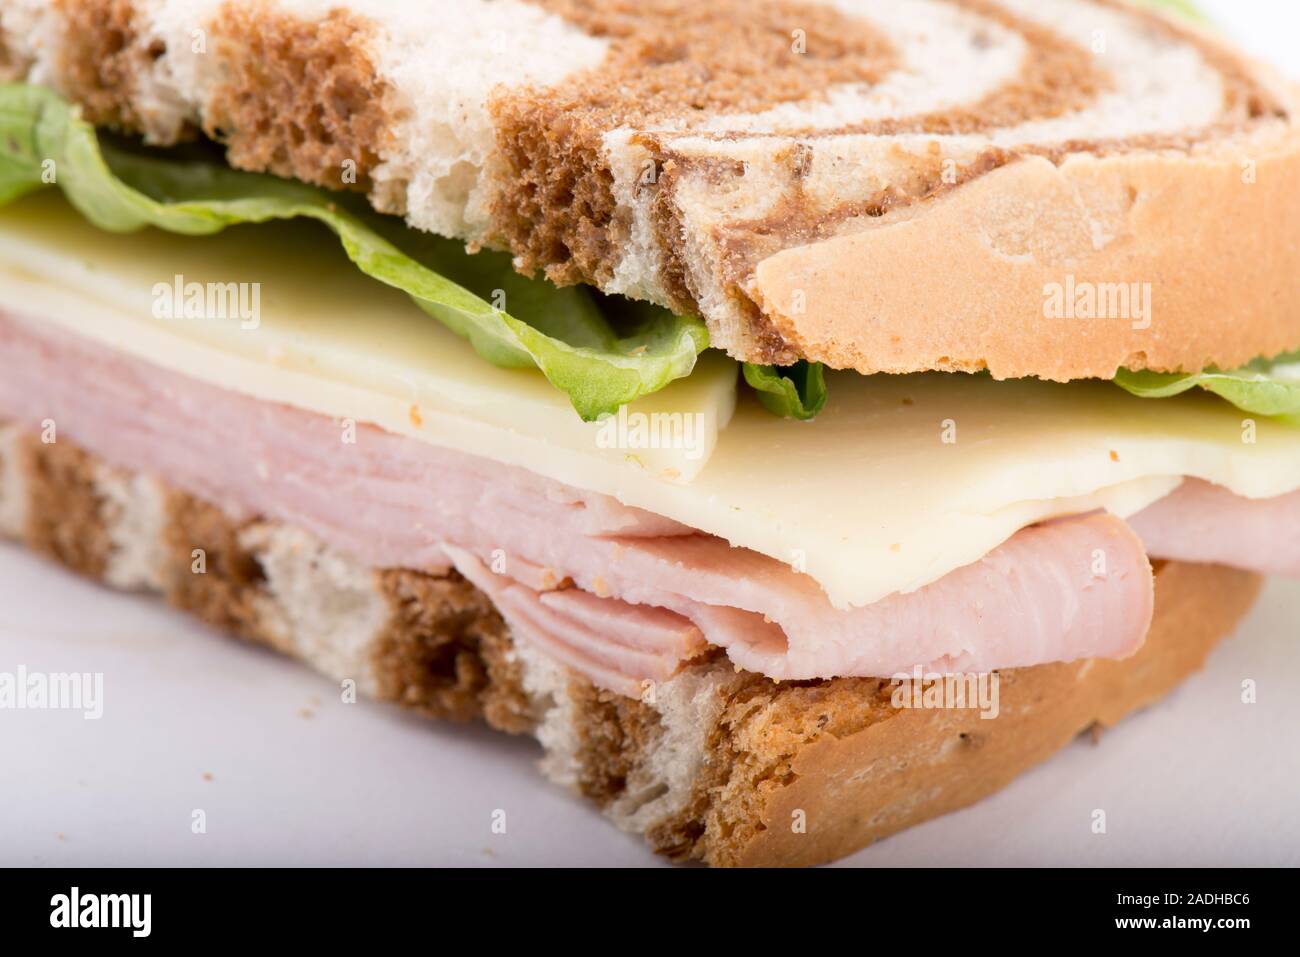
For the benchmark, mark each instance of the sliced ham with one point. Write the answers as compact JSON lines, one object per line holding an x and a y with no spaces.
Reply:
{"x":616,"y":592}
{"x":1200,"y":522}
{"x":1075,"y":588}
{"x":616,"y":644}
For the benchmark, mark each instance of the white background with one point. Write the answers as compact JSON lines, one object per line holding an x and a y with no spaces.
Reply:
{"x":287,"y":774}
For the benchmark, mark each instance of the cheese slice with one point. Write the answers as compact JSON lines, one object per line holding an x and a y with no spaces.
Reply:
{"x":307,"y":315}
{"x":899,"y":481}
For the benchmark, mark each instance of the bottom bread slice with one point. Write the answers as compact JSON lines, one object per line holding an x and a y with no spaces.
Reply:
{"x":717,"y":765}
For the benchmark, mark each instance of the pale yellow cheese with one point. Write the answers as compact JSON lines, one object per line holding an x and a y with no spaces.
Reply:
{"x":320,"y":325}
{"x":899,"y":481}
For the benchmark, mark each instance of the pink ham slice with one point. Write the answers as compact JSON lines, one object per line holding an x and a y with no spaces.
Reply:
{"x":619,"y":646}
{"x":1200,"y":522}
{"x":1079,"y":587}
{"x":1074,"y":588}
{"x":649,"y":591}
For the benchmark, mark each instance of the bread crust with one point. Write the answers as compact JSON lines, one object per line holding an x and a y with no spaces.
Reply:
{"x":1215,"y":238}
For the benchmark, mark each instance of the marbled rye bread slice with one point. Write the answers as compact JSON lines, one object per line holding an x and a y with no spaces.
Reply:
{"x":884,"y":185}
{"x":718,"y":766}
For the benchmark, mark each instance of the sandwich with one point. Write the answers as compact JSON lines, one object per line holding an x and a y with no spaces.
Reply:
{"x":800,"y":417}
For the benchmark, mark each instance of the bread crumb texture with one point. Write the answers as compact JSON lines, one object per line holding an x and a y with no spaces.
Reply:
{"x":300,"y":98}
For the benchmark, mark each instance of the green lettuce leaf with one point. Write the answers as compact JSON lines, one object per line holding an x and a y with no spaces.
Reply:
{"x":599,"y":353}
{"x":1264,"y":387}
{"x":792,"y":392}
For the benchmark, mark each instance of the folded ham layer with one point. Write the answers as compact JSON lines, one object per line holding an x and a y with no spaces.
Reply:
{"x":1200,"y":522}
{"x":618,"y":593}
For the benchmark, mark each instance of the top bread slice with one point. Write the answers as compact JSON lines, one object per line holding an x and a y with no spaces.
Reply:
{"x":1052,"y":188}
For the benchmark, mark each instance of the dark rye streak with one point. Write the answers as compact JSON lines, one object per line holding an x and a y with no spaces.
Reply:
{"x":668,"y":60}
{"x":673,"y":60}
